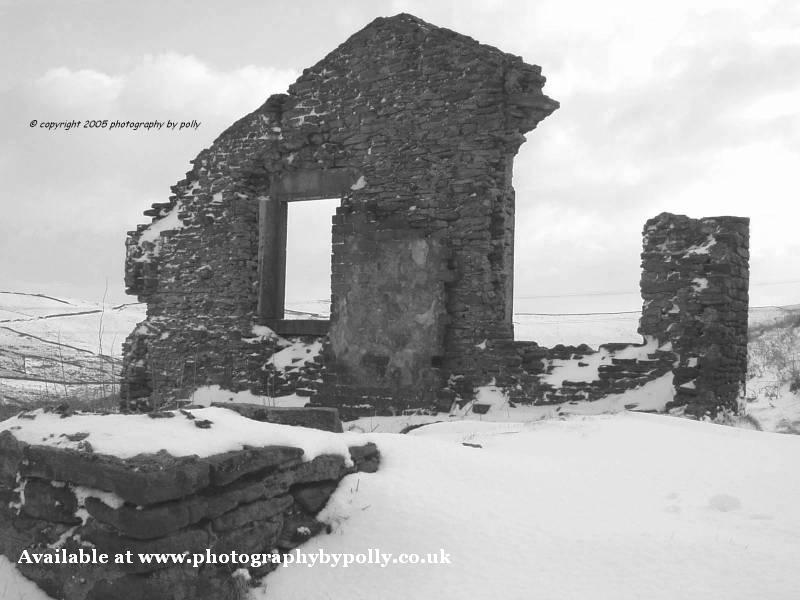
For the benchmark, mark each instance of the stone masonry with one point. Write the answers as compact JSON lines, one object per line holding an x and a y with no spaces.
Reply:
{"x":259,"y":500}
{"x":415,"y":129}
{"x":694,"y":284}
{"x":695,"y":278}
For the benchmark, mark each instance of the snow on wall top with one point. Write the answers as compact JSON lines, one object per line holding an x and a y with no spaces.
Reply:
{"x":126,"y":436}
{"x":571,"y":370}
{"x":168,"y":222}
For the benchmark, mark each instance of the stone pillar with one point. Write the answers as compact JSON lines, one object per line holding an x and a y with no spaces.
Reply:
{"x":272,"y":222}
{"x":695,"y":275}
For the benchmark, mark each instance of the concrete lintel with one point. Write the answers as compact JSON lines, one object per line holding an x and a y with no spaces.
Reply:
{"x":313,"y":184}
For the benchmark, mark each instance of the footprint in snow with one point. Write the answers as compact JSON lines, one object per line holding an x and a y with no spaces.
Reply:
{"x":761,"y":517}
{"x":724,"y":502}
{"x":674,"y":507}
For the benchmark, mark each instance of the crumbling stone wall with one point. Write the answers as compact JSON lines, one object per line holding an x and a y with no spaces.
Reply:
{"x":253,"y":501}
{"x":416,"y":127}
{"x":533,"y":374}
{"x":695,"y":277}
{"x":196,"y":267}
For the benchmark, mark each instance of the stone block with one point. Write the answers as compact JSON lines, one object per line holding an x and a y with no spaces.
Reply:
{"x":260,"y":510}
{"x":230,"y":466}
{"x":11,"y":455}
{"x":151,"y":522}
{"x":48,"y":502}
{"x":324,"y":418}
{"x":312,"y":497}
{"x":144,"y":479}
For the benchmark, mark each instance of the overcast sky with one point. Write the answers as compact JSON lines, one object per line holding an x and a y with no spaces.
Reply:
{"x":687,"y":106}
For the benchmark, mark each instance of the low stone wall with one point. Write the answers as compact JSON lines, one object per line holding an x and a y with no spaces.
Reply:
{"x":59,"y":502}
{"x":533,"y":374}
{"x":580,"y":373}
{"x":168,"y":359}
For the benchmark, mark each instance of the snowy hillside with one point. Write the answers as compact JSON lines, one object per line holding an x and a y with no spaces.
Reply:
{"x":55,"y":348}
{"x":773,"y":387}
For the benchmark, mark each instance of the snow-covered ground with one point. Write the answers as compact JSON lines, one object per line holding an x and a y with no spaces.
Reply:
{"x":13,"y":586}
{"x":616,"y":507}
{"x":604,"y":507}
{"x":581,"y":500}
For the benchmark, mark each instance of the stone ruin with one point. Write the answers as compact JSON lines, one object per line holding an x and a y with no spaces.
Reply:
{"x":62,"y":501}
{"x":415,"y":128}
{"x":695,"y":281}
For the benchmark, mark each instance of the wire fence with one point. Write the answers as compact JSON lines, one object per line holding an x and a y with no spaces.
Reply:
{"x":601,"y":327}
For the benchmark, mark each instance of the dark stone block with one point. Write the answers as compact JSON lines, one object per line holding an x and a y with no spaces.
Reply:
{"x":144,"y":479}
{"x":108,"y":541}
{"x":152,"y":522}
{"x":322,"y":468}
{"x":312,"y":497}
{"x":311,"y":327}
{"x":11,"y":455}
{"x":317,"y":417}
{"x":50,"y":503}
{"x":261,"y":536}
{"x":230,"y":466}
{"x":261,"y":510}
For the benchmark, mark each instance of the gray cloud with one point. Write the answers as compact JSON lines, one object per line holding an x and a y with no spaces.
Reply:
{"x":684,"y":106}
